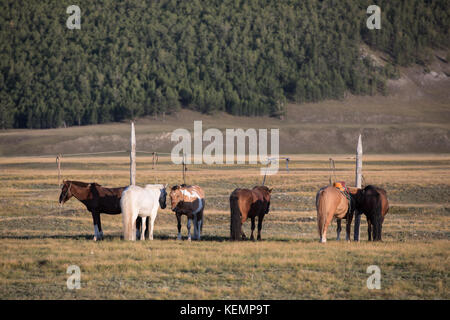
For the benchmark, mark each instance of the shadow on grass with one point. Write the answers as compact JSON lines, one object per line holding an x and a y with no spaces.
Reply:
{"x":115,"y":237}
{"x":111,"y":237}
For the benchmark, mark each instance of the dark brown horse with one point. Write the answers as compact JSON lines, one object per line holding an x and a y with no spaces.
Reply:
{"x":189,"y":201}
{"x":373,"y":202}
{"x":246,"y":203}
{"x":96,"y":198}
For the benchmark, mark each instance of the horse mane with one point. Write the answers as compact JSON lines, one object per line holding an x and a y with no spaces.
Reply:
{"x":184,"y":185}
{"x":263,"y":188}
{"x":370,"y":187}
{"x":83,"y":184}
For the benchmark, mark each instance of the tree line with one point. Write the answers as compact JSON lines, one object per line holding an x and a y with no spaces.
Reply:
{"x":137,"y":58}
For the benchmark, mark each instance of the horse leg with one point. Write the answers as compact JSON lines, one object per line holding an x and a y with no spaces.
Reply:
{"x":253,"y":228}
{"x":323,"y":237}
{"x":179,"y":226}
{"x":244,"y":237}
{"x":147,"y":230}
{"x":96,"y":219}
{"x":152,"y":224}
{"x":189,"y":228}
{"x":357,"y":225}
{"x":348,"y":229}
{"x":100,"y":227}
{"x":133,"y":229}
{"x":138,"y":227}
{"x":260,"y":221}
{"x":195,"y":227}
{"x":144,"y":224}
{"x":369,"y":229}
{"x":339,"y":228}
{"x":198,"y":223}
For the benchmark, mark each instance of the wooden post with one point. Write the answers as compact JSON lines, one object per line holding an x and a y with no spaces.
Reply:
{"x":133,"y":156}
{"x":184,"y":168}
{"x":359,"y":153}
{"x":58,"y":164}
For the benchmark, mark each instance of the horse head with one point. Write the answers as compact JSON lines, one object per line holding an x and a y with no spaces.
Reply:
{"x":162,"y":197}
{"x":176,"y":197}
{"x":66,"y":192}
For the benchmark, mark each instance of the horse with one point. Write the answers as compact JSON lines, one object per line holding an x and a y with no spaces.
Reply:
{"x":373,"y":202}
{"x":96,"y":198}
{"x":246,"y":203}
{"x":330,"y":203}
{"x":189,"y":201}
{"x":141,"y":202}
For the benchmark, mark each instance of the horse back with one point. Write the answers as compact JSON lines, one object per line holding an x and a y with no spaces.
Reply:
{"x":260,"y":202}
{"x":107,"y":200}
{"x":192,"y":192}
{"x":193,"y":201}
{"x":243,"y":198}
{"x":330,"y":200}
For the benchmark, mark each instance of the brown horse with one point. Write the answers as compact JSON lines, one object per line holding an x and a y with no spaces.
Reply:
{"x":373,"y":202}
{"x":96,"y":198}
{"x":246,"y":203}
{"x":332,"y":203}
{"x":189,"y":201}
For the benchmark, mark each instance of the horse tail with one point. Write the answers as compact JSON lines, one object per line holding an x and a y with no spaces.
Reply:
{"x":377,"y":218}
{"x":235,"y":223}
{"x":126,"y":204}
{"x":321,"y":212}
{"x":203,"y":216}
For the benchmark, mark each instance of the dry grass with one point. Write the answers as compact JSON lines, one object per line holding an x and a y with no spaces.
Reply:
{"x":39,"y":242}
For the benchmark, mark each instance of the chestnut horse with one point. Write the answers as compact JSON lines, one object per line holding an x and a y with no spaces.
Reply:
{"x":373,"y":202}
{"x":332,"y":203}
{"x":246,"y":203}
{"x":96,"y":198}
{"x":189,"y":201}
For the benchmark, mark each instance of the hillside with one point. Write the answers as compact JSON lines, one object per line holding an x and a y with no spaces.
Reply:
{"x":253,"y":58}
{"x":413,"y":118}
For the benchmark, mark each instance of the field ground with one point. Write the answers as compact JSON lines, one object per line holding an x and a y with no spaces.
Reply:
{"x":39,"y":240}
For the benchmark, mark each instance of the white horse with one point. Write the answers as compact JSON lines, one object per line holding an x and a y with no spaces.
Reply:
{"x":142,"y":202}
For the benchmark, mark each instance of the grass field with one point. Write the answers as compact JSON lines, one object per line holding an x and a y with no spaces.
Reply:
{"x":39,"y":240}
